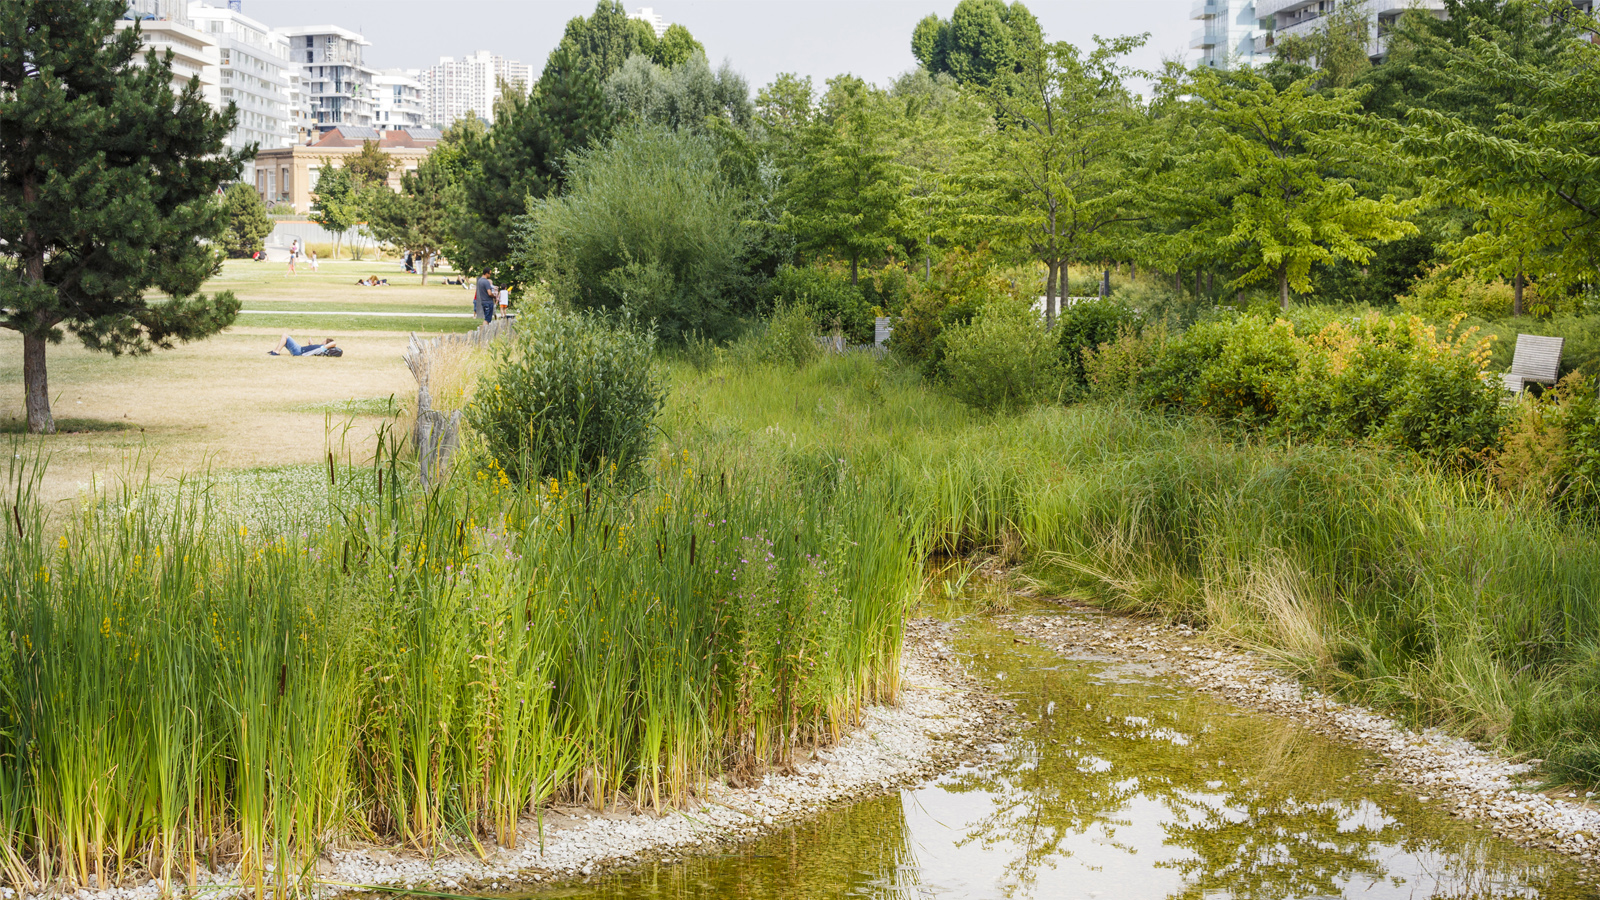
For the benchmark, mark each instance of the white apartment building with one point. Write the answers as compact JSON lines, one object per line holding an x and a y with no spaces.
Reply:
{"x":1227,"y":34}
{"x":165,"y":25}
{"x":471,"y":84}
{"x":401,"y":99}
{"x":333,"y":78}
{"x":253,"y":65}
{"x":1283,"y":18}
{"x":648,"y":15}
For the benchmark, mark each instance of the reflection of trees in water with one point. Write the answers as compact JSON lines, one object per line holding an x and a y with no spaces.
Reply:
{"x":1264,"y":810}
{"x":862,"y":850}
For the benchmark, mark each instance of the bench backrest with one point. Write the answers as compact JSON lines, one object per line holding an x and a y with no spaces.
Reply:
{"x":1538,"y":357}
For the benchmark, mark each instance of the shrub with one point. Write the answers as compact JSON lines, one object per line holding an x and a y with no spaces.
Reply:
{"x":960,"y":285}
{"x":1117,"y":367}
{"x":1551,"y":447}
{"x":826,"y":294}
{"x":571,"y":392}
{"x":790,"y":338}
{"x":1231,"y":369}
{"x":648,"y":225}
{"x":1441,"y":295}
{"x":1003,"y":359}
{"x":1085,"y":326}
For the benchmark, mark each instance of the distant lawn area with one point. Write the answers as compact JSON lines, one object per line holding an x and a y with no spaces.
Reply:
{"x":223,"y":403}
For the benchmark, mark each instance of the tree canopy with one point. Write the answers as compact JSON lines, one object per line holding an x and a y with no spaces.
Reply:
{"x":108,"y":183}
{"x":980,"y":40}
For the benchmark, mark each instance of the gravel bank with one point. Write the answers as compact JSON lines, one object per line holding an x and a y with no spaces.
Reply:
{"x":941,"y":719}
{"x":1473,"y":783}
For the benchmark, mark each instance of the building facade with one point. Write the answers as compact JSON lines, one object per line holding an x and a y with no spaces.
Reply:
{"x":289,"y":174}
{"x":649,"y":16}
{"x":400,"y":97}
{"x":455,"y":87}
{"x":1227,"y":33}
{"x":253,"y":64}
{"x":165,"y":25}
{"x":1285,"y":18}
{"x":334,"y":80}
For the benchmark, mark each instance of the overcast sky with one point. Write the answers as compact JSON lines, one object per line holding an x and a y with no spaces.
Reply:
{"x":761,"y":38}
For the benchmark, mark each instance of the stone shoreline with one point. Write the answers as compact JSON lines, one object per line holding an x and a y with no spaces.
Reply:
{"x":1470,"y":782}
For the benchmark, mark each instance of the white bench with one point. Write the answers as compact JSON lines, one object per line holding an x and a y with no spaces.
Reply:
{"x":1538,"y":360}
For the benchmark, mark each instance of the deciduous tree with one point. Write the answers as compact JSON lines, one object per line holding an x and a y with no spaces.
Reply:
{"x":335,"y":201}
{"x":108,"y":182}
{"x":414,"y":218}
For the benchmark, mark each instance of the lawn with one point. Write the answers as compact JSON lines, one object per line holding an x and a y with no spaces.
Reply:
{"x":223,"y":402}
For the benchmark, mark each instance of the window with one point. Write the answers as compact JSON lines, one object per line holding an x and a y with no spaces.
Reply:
{"x":308,"y":56}
{"x":309,"y":44}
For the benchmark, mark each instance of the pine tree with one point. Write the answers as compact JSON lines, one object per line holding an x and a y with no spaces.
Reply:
{"x":108,"y":182}
{"x":248,"y":222}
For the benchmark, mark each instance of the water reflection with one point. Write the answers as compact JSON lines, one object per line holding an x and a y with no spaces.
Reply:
{"x":1121,"y":786}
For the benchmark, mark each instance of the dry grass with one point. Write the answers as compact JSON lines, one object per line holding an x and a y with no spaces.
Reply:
{"x":223,"y":403}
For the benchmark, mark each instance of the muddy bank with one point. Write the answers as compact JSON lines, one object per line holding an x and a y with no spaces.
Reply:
{"x":1459,"y":777}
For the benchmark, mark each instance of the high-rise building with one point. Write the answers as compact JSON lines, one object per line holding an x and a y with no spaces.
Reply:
{"x":253,"y":66}
{"x":333,"y":77}
{"x":1286,"y":18}
{"x":165,"y":25}
{"x":648,"y":15}
{"x":1227,"y":34}
{"x":455,"y":87}
{"x":400,"y":96}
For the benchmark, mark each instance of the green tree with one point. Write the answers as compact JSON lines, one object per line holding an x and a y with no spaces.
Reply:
{"x":981,"y":40}
{"x":371,"y":166}
{"x":414,"y":219}
{"x":676,"y":47}
{"x":1265,"y":179}
{"x":648,"y":225}
{"x":335,"y":201}
{"x":1056,"y":174}
{"x":107,"y":188}
{"x":1522,"y":157}
{"x":248,"y":222}
{"x":682,"y":97}
{"x":521,"y":158}
{"x":845,"y":192}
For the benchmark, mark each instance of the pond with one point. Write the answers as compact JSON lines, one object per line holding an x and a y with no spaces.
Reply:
{"x":1123,"y":784}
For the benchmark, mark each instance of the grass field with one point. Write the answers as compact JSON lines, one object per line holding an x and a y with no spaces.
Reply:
{"x":223,"y":402}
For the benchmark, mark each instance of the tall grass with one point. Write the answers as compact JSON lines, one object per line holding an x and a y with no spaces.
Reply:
{"x":1422,"y":591}
{"x":179,"y":692}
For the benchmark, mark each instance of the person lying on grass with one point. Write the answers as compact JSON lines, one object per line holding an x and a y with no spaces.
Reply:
{"x":296,"y":348}
{"x":372,"y":281}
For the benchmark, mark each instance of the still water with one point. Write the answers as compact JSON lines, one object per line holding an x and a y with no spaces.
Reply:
{"x":1122,"y":784}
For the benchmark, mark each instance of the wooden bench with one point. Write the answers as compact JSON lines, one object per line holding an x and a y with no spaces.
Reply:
{"x":1538,"y":359}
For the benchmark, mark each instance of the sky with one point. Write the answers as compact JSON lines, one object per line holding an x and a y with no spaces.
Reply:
{"x":759,"y":38}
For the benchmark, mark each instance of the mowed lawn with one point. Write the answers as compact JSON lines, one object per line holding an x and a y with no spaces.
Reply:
{"x":224,"y":403}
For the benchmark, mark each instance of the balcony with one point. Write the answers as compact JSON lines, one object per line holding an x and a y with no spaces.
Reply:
{"x":1208,"y":9}
{"x":1207,"y":37}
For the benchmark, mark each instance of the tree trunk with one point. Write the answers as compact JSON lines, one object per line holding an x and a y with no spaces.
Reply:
{"x":853,"y":264}
{"x":1208,"y":282}
{"x":1133,"y":271}
{"x":1050,"y":293}
{"x":1177,"y":281}
{"x":1197,"y":284}
{"x":1283,"y":285}
{"x":36,"y":385}
{"x":1516,"y":290}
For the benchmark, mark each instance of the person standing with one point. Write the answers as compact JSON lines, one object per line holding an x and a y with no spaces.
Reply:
{"x":294,"y":252}
{"x":313,"y":260}
{"x":485,"y":297}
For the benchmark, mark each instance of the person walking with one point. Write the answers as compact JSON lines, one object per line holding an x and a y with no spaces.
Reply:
{"x":313,"y":260}
{"x":486,"y":296}
{"x":294,"y":252}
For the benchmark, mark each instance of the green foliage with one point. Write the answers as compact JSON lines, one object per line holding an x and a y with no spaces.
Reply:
{"x":415,"y":218}
{"x":248,"y":222}
{"x":981,"y":40}
{"x":649,"y":226}
{"x":522,"y":158}
{"x":1003,"y":359}
{"x":1443,"y":294}
{"x":1263,"y":183}
{"x":1393,"y":380}
{"x":603,"y":42}
{"x":676,"y":47}
{"x":684,"y":95}
{"x":108,"y":181}
{"x":573,"y":393}
{"x":787,"y":338}
{"x":827,"y":297}
{"x":370,"y":167}
{"x":1392,"y":271}
{"x":958,"y":287}
{"x":1551,"y":448}
{"x":1086,"y":325}
{"x":335,"y":200}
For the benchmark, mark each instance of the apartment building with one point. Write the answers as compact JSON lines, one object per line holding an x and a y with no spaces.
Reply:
{"x":650,"y":17}
{"x":252,"y":64}
{"x":401,"y":99}
{"x":1228,"y":33}
{"x":334,"y":80}
{"x":165,"y":25}
{"x":455,"y":87}
{"x":1283,"y":18}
